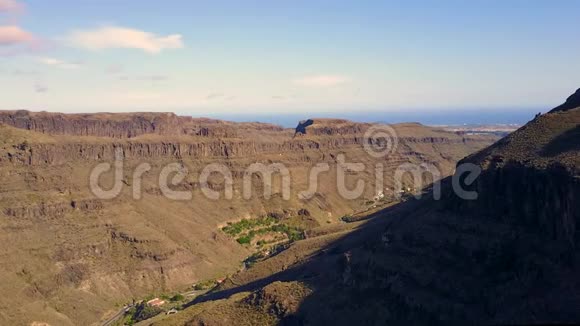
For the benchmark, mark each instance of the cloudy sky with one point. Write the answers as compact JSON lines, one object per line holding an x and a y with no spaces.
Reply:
{"x":286,"y":56}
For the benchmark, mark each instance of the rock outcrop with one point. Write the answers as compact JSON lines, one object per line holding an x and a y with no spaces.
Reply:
{"x":126,"y":125}
{"x":53,"y":210}
{"x":302,"y":125}
{"x":329,"y":127}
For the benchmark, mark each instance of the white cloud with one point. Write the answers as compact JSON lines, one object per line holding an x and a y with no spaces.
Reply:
{"x":12,"y":35}
{"x":59,"y":63}
{"x":321,"y":80}
{"x":113,"y":37}
{"x":10,"y":6}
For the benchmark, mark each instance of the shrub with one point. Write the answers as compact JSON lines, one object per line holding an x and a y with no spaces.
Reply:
{"x":144,"y":311}
{"x":204,"y":285}
{"x":347,"y":218}
{"x":245,"y":239}
{"x":177,"y":297}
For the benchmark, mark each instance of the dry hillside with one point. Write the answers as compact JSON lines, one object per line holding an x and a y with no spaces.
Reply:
{"x":508,"y":257}
{"x":70,"y":258}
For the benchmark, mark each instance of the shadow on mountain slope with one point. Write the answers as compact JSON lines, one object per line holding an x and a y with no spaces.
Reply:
{"x":419,"y":262}
{"x":433,"y":266}
{"x":371,"y":227}
{"x":568,"y":141}
{"x":508,"y":257}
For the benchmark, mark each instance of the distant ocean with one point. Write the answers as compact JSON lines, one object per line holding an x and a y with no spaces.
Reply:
{"x":432,"y":117}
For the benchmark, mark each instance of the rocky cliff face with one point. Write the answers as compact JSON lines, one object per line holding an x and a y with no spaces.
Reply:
{"x":544,"y":200}
{"x":162,"y":136}
{"x":127,"y":125}
{"x":79,"y":256}
{"x":531,"y":178}
{"x":508,"y":257}
{"x":61,"y":153}
{"x":318,"y":127}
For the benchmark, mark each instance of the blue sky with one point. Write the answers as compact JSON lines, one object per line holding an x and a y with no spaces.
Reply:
{"x":256,"y":57}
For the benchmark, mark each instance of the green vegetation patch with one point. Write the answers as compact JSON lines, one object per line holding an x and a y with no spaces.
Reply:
{"x":234,"y":229}
{"x":176,"y":298}
{"x":141,"y":312}
{"x":247,"y":229}
{"x":204,"y":285}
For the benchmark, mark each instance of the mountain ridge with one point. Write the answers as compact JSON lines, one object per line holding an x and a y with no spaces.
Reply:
{"x":508,"y":257}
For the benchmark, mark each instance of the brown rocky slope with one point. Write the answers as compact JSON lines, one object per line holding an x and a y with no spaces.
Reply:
{"x":508,"y":257}
{"x":70,"y":258}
